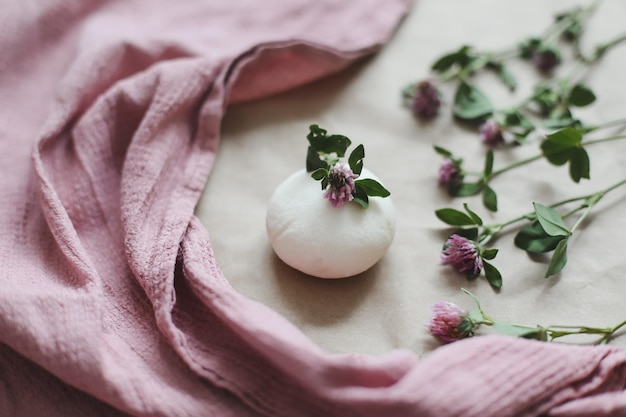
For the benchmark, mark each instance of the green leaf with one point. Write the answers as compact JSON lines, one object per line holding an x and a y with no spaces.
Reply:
{"x":581,"y":96}
{"x":532,"y":238}
{"x":443,"y":152}
{"x":529,"y":46}
{"x":493,"y":275}
{"x":489,"y":254}
{"x":551,"y":221}
{"x":579,"y":164}
{"x":363,"y":203}
{"x":475,"y":217}
{"x":490,"y":199}
{"x":488,"y":163}
{"x":510,"y":329}
{"x":554,"y":154}
{"x":547,"y":97}
{"x":317,"y":137}
{"x":507,"y":77}
{"x":372,"y":187}
{"x":476,"y":315}
{"x":559,"y":259}
{"x":319,"y":174}
{"x":445,"y":62}
{"x":338,"y":144}
{"x":561,"y":121}
{"x":558,"y":146}
{"x":356,"y":159}
{"x":504,"y":75}
{"x":466,"y":326}
{"x":470,"y":103}
{"x":566,"y":137}
{"x":455,"y":217}
{"x":516,"y":118}
{"x":313,"y":161}
{"x":447,"y":154}
{"x":469,"y":233}
{"x":465,"y":189}
{"x":323,"y":143}
{"x":517,"y":124}
{"x":360,"y":196}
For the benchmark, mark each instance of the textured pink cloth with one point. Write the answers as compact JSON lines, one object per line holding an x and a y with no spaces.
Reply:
{"x":111,"y":302}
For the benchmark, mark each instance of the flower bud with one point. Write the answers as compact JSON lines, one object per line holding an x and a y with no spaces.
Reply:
{"x":462,"y":254}
{"x":425,"y":101}
{"x":491,"y":133}
{"x":449,"y":323}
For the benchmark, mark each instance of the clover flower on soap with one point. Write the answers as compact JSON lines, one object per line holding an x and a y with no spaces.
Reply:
{"x":340,"y":182}
{"x":340,"y":185}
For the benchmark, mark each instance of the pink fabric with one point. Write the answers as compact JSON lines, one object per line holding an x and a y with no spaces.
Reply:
{"x":111,"y":301}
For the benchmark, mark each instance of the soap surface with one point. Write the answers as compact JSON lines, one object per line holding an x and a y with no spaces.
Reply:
{"x":312,"y":236}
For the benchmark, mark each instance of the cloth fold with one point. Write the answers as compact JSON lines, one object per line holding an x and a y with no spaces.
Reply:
{"x":112,"y":302}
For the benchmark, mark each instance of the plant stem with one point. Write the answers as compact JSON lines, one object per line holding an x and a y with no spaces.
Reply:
{"x":604,"y":47}
{"x":583,"y":216}
{"x":593,"y":200}
{"x":594,"y":197}
{"x":607,"y":139}
{"x":619,"y":326}
{"x":514,"y":165}
{"x":539,"y":156}
{"x":553,"y":331}
{"x":562,"y":25}
{"x":605,"y":125}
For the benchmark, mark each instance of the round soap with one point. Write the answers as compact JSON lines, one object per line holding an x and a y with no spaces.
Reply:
{"x":312,"y":236}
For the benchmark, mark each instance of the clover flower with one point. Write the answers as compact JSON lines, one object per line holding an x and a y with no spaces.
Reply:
{"x":425,"y":100}
{"x":340,"y":185}
{"x":462,"y":254}
{"x":449,"y":173}
{"x":491,"y":133}
{"x":449,"y":323}
{"x":545,"y":59}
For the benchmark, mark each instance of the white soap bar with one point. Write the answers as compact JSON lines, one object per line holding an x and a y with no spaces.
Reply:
{"x":312,"y":236}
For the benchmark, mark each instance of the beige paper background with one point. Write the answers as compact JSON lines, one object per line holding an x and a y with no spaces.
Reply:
{"x":387,"y":307}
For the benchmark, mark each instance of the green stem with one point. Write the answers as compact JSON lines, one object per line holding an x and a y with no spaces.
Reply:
{"x":554,"y":333}
{"x":514,"y":165}
{"x":593,"y":200}
{"x":595,"y":197}
{"x":612,"y":187}
{"x":619,"y":326}
{"x":504,"y":55}
{"x":539,"y":156}
{"x":607,"y":337}
{"x":583,"y":216}
{"x":604,"y":47}
{"x":607,"y":139}
{"x":605,"y":125}
{"x":562,"y":25}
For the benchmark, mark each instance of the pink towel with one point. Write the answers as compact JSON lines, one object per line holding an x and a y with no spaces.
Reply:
{"x":111,"y":302}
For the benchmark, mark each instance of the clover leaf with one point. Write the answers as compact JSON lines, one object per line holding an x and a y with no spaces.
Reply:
{"x":581,"y":95}
{"x":470,"y":103}
{"x":564,"y":146}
